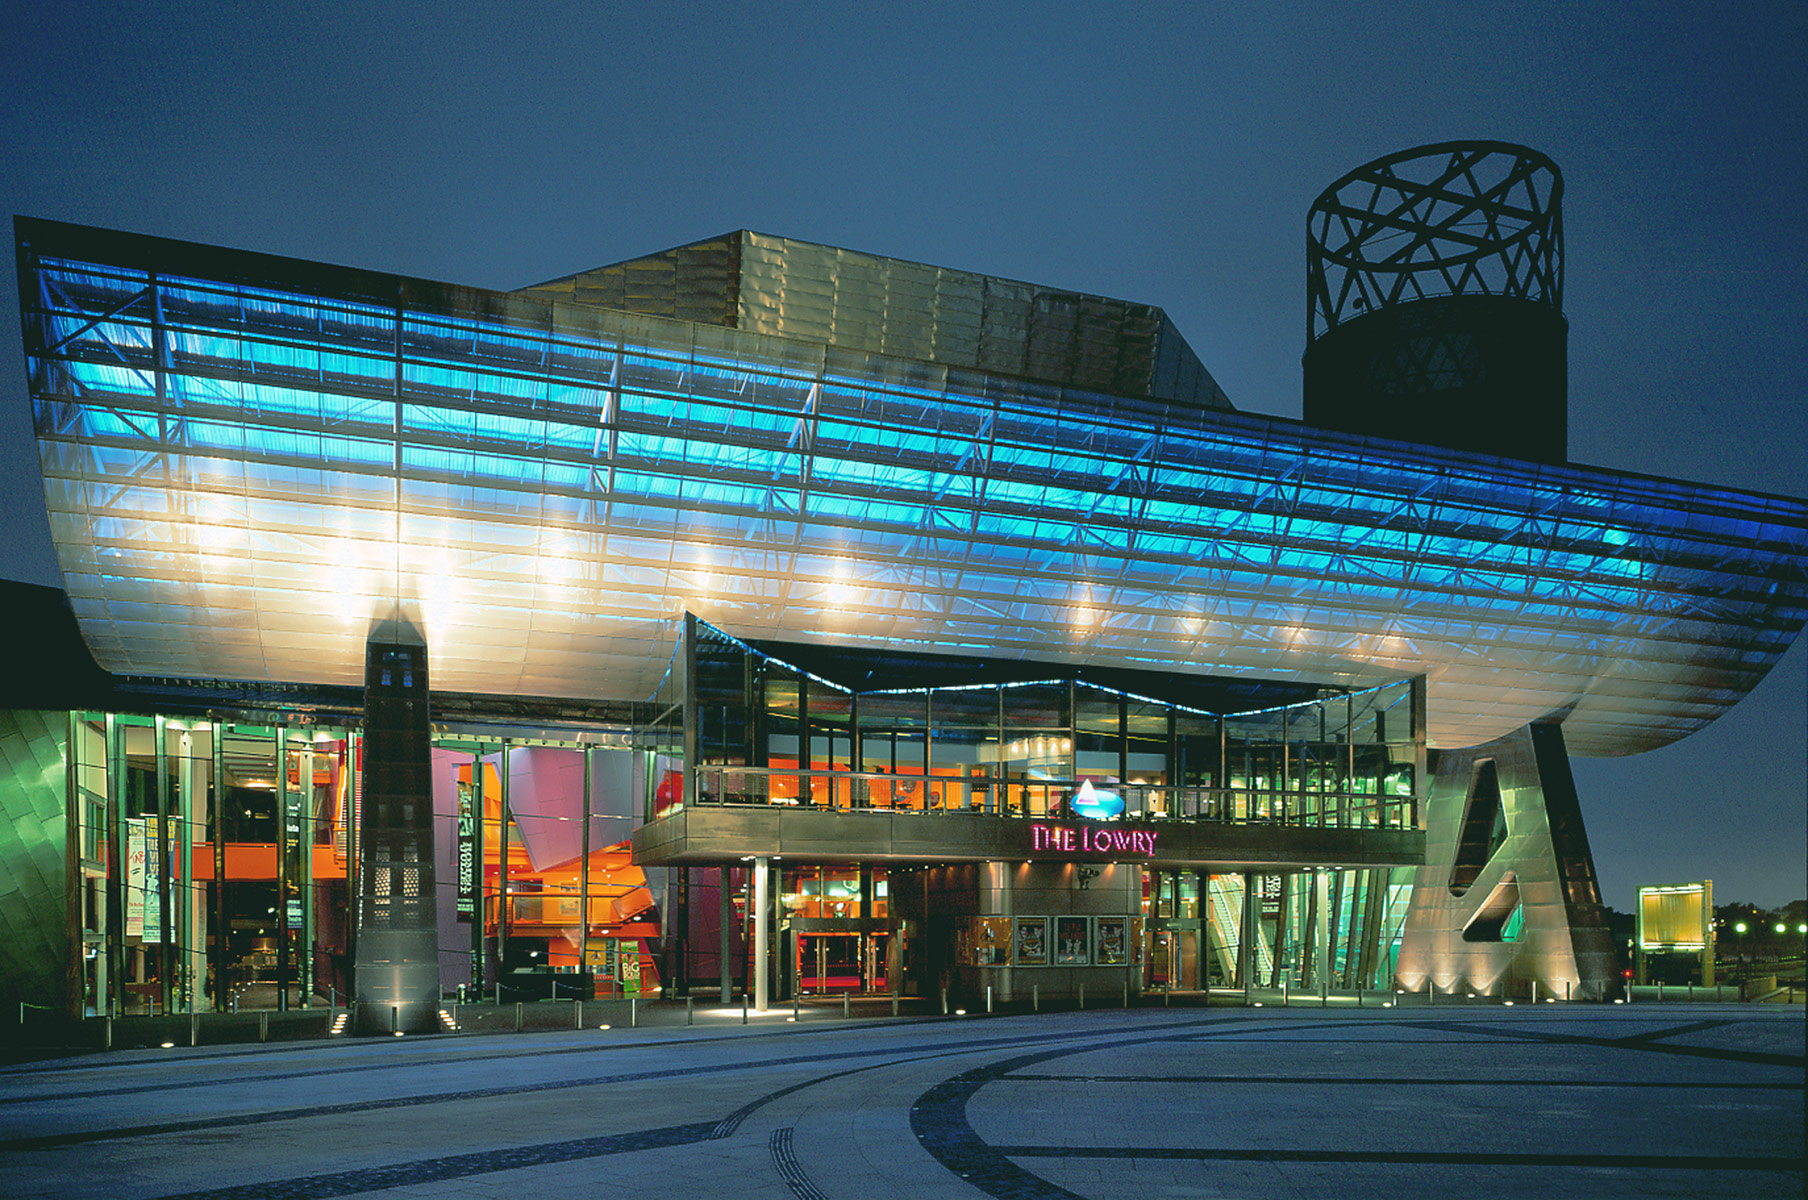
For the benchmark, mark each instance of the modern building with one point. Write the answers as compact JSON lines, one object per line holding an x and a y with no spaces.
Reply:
{"x":764,"y":614}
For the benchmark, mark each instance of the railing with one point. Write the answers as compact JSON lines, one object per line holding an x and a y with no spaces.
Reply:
{"x":558,"y":909}
{"x":1038,"y":799}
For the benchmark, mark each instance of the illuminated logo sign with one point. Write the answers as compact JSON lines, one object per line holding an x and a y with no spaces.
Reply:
{"x":1087,"y":839}
{"x":1096,"y":804}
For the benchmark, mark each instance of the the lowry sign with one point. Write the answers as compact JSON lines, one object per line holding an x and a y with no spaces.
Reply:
{"x":1092,"y":839}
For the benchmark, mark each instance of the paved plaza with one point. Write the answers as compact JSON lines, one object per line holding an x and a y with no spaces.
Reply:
{"x":1333,"y":1104}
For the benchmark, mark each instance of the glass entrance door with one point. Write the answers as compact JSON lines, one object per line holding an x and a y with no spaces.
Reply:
{"x":876,"y":956}
{"x":1186,"y":959}
{"x":828,"y":962}
{"x":833,"y":962}
{"x":1163,"y":960}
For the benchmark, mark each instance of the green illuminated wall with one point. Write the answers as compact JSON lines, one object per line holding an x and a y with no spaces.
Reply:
{"x":33,"y":943}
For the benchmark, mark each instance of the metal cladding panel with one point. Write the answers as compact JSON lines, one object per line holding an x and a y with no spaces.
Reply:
{"x":910,"y":310}
{"x":34,"y":937}
{"x":1507,"y":896}
{"x":692,"y":283}
{"x":250,"y":462}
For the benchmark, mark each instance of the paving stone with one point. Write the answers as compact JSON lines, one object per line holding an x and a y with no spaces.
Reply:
{"x":1216,"y":1103}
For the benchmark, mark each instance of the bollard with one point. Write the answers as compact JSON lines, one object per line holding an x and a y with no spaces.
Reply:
{"x":1566,"y":991}
{"x":517,"y":1016}
{"x":794,"y":1004}
{"x":1082,"y":995}
{"x":1660,"y":991}
{"x":844,"y":1004}
{"x":988,"y":998}
{"x":577,"y":1014}
{"x":633,"y":1012}
{"x":1035,"y":997}
{"x":1166,"y":992}
{"x":499,"y":993}
{"x":894,"y":1004}
{"x":263,"y":1025}
{"x":106,"y":1033}
{"x":1126,"y":995}
{"x":1534,"y":991}
{"x":194,"y":1029}
{"x":690,"y":1012}
{"x":1284,"y":982}
{"x":1431,"y":991}
{"x":944,"y":1001}
{"x":743,"y":1008}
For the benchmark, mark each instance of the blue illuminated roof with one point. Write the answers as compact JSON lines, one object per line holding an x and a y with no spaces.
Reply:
{"x":250,"y":460}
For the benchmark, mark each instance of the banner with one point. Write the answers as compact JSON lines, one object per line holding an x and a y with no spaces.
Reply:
{"x":153,"y":880}
{"x":466,"y":868}
{"x":135,"y":865}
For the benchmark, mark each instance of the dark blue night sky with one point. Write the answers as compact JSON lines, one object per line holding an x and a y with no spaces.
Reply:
{"x":1160,"y":153}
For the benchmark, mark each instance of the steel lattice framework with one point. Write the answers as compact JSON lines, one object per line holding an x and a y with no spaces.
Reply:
{"x":1452,"y":219}
{"x":248,"y":461}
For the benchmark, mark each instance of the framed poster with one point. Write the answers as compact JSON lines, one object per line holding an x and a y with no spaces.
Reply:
{"x":1113,"y":941}
{"x":1073,"y":941}
{"x":1032,"y":941}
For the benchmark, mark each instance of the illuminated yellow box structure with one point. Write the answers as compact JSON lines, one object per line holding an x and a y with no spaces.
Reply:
{"x":1677,"y":918}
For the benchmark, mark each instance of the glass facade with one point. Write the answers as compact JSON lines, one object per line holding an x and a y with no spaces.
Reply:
{"x":768,"y":732}
{"x":216,"y":858}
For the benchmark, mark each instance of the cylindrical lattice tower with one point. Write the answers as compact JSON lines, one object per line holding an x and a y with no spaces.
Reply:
{"x":1434,"y":285}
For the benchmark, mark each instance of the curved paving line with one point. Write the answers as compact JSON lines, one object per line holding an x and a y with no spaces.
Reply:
{"x":785,"y":1162}
{"x":451,"y":1057}
{"x":458,"y":1166}
{"x":939,"y":1120}
{"x":454,"y":1166}
{"x":79,"y":1137}
{"x":445,"y":1051}
{"x":1640,"y":1042}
